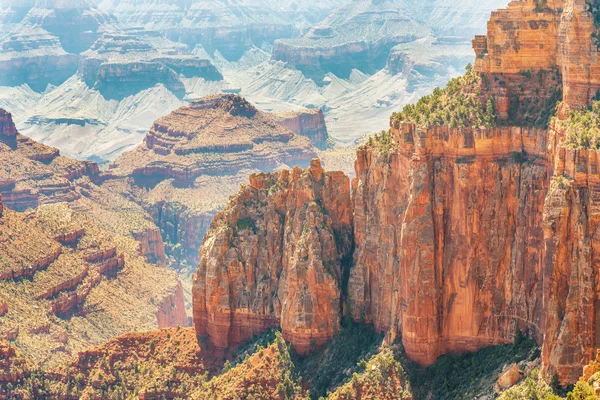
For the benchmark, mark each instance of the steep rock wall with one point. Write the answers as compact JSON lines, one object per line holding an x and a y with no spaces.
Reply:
{"x":444,"y":227}
{"x":171,"y":310}
{"x":273,"y":258}
{"x":309,"y":123}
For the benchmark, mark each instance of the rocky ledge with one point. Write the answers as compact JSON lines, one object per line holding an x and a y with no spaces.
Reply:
{"x":309,"y":123}
{"x":32,"y":173}
{"x":33,"y":56}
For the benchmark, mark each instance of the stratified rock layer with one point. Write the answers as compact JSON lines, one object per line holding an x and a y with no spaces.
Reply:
{"x":124,"y":63}
{"x":309,"y":123}
{"x":273,"y":258}
{"x":446,"y":228}
{"x":196,"y":157}
{"x":70,"y":271}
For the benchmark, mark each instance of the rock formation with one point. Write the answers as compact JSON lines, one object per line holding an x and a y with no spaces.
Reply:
{"x":124,"y":63}
{"x":32,"y":56}
{"x":61,"y":262}
{"x":309,"y":123}
{"x":197,"y":156}
{"x":358,"y":35}
{"x":214,"y":26}
{"x":273,"y":257}
{"x":34,"y":174}
{"x":77,"y":23}
{"x":474,"y":216}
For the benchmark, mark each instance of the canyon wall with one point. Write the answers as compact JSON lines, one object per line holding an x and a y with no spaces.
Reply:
{"x":309,"y":123}
{"x":463,"y":234}
{"x":273,"y":257}
{"x":554,"y":34}
{"x":447,"y":231}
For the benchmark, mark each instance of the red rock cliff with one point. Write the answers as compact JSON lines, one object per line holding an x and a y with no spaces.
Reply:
{"x":273,"y":258}
{"x":446,"y":227}
{"x":463,"y":235}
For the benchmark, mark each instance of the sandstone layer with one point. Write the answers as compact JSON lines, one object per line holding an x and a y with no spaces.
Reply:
{"x":358,"y":35}
{"x":34,"y":57}
{"x":216,"y":26}
{"x":129,"y":61}
{"x":309,"y":123}
{"x":274,"y":257}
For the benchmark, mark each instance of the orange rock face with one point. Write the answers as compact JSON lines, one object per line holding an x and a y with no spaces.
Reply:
{"x":273,"y":258}
{"x":445,"y":232}
{"x":462,"y":236}
{"x":532,"y":36}
{"x":197,"y":156}
{"x":171,"y":311}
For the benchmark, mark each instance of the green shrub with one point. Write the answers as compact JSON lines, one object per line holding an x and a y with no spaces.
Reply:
{"x":582,"y":128}
{"x":468,"y":375}
{"x":334,"y":364}
{"x":245,"y":223}
{"x":457,"y":106}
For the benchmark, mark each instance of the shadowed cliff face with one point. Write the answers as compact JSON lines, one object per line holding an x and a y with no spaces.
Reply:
{"x":474,"y":217}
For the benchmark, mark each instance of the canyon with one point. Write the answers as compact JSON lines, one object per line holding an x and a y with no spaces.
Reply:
{"x":96,"y":98}
{"x":464,"y":232}
{"x":67,"y":246}
{"x":193,"y":159}
{"x":469,"y":226}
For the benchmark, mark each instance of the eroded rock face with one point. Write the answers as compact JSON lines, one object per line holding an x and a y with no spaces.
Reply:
{"x":273,"y":258}
{"x":171,"y":311}
{"x":221,"y":26}
{"x":309,"y":123}
{"x":32,"y":173}
{"x":527,"y":36}
{"x":358,"y":35}
{"x":131,"y":60}
{"x":444,"y":231}
{"x":77,"y":23}
{"x":33,"y":56}
{"x":463,"y":236}
{"x":64,"y":260}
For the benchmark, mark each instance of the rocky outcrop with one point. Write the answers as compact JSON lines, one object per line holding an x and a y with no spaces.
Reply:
{"x":171,"y":311}
{"x":141,"y":59}
{"x":32,"y":56}
{"x":358,"y":35}
{"x":196,"y":157}
{"x":32,"y":174}
{"x":198,"y":139}
{"x":7,"y":126}
{"x":273,"y":257}
{"x":557,"y":34}
{"x":465,"y":232}
{"x":12,"y":368}
{"x":444,"y":259}
{"x":77,"y":23}
{"x":119,"y":80}
{"x":309,"y":123}
{"x":151,"y":246}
